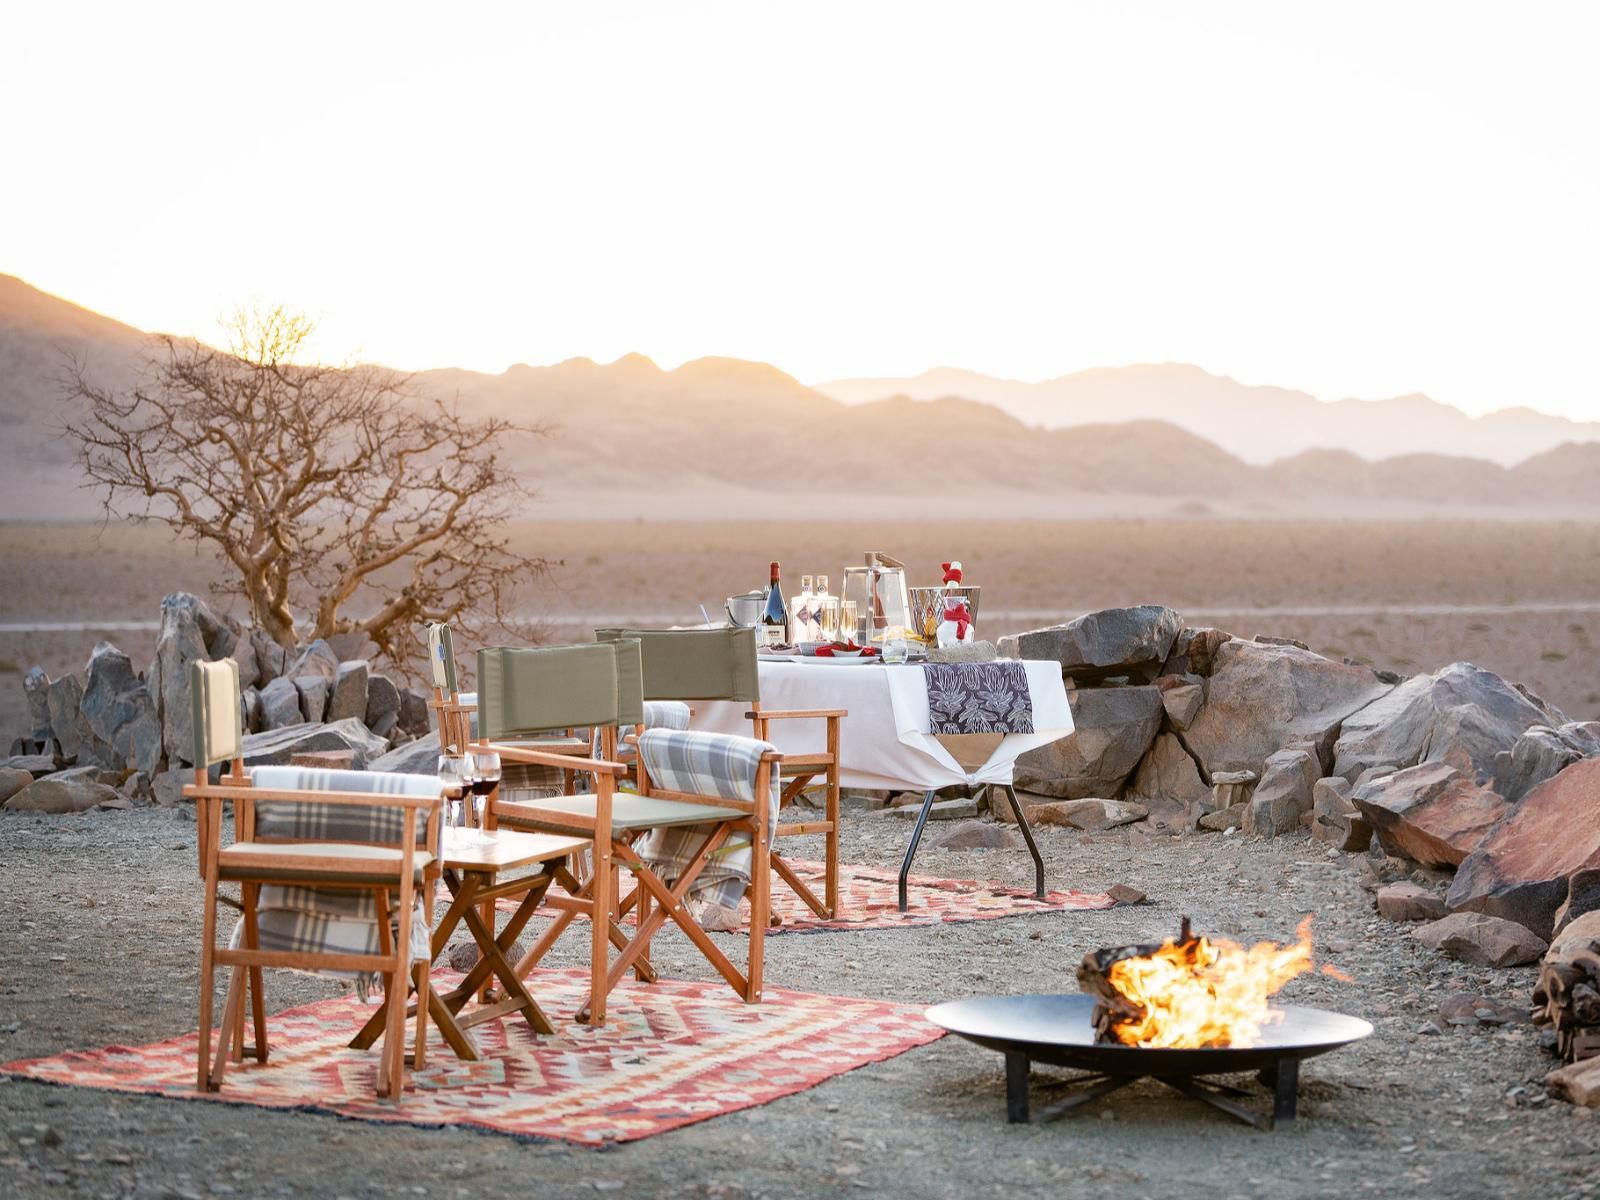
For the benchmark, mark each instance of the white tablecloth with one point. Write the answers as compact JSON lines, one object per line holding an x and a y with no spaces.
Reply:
{"x":885,"y":744}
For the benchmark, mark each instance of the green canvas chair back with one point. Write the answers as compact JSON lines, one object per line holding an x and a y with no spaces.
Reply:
{"x":695,"y":664}
{"x":527,"y":691}
{"x":442,"y":655}
{"x":214,"y":708}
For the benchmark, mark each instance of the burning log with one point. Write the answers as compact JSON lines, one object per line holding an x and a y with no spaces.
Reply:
{"x":1188,"y":992}
{"x":1567,"y":996}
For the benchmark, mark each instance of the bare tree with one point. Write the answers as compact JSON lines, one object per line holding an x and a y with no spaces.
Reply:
{"x":345,"y":501}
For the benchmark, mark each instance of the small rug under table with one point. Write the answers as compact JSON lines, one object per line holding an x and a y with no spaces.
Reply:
{"x":671,"y":1053}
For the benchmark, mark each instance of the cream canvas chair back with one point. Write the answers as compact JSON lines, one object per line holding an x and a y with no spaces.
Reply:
{"x":214,"y":706}
{"x":524,"y":692}
{"x":694,"y":664}
{"x":442,"y":656}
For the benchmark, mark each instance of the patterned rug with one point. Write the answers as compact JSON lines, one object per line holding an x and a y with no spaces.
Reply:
{"x":672,"y":1053}
{"x":868,"y":899}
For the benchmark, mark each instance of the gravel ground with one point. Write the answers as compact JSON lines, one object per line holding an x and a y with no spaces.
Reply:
{"x":99,"y":920}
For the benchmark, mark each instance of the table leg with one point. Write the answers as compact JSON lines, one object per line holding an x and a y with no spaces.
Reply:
{"x":911,"y":850}
{"x":492,"y":960}
{"x":1027,"y":836}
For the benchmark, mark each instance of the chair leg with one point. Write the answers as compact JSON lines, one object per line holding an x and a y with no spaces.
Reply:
{"x":760,"y":906}
{"x":419,"y":1055}
{"x":250,"y":894}
{"x":232,"y":1025}
{"x":208,"y":950}
{"x":599,"y":931}
{"x":394,"y":1037}
{"x":830,"y":883}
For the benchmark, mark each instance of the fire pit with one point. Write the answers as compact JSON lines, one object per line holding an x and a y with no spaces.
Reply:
{"x":1178,"y":1012}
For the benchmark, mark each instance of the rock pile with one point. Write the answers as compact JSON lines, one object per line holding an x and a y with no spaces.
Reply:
{"x":122,"y":738}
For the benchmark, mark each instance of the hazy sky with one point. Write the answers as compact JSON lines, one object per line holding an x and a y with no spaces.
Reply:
{"x":1356,"y":199}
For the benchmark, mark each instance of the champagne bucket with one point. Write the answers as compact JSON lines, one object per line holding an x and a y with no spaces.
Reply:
{"x":927,"y":608}
{"x":745,"y":610}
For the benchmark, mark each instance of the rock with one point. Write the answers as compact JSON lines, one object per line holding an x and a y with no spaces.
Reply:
{"x":1482,"y":940}
{"x":278,"y":746}
{"x":1283,"y":795}
{"x":313,"y":691}
{"x":957,"y":809}
{"x":1224,"y":818}
{"x":179,"y":643}
{"x":420,"y":757}
{"x":1521,"y":870}
{"x":1408,"y":902}
{"x":36,"y":765}
{"x":1480,"y":1010}
{"x":325,"y":760}
{"x":243,"y":654}
{"x":36,"y":684}
{"x":1089,"y":814}
{"x":1264,"y":640}
{"x":280,"y":705}
{"x":1168,"y":784}
{"x":1582,"y":932}
{"x":1181,"y":698}
{"x":1123,"y":894}
{"x":1583,"y":897}
{"x":168,"y":786}
{"x":1261,"y":699}
{"x":1114,"y":729}
{"x":64,"y":700}
{"x":1576,"y":1083}
{"x":56,"y":795}
{"x":1334,"y":819}
{"x":1194,"y":651}
{"x":1462,"y":712}
{"x":415,"y":716}
{"x":120,"y":712}
{"x":1432,"y":813}
{"x":316,"y":659}
{"x":975,"y":835}
{"x":1538,"y":754}
{"x":12,"y":781}
{"x":349,"y":697}
{"x":138,"y":790}
{"x":1115,"y":641}
{"x":270,"y":658}
{"x":383,"y":705}
{"x":250,"y":710}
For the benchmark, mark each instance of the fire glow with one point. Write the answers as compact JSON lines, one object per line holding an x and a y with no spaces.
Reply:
{"x":1192,"y":992}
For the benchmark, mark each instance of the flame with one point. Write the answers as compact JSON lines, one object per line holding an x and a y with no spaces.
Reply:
{"x":1201,"y":993}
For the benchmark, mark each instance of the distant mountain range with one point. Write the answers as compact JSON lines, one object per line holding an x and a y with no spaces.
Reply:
{"x":725,"y":438}
{"x":1259,"y":424}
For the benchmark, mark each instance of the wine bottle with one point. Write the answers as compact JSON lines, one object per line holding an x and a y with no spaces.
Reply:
{"x":775,"y":616}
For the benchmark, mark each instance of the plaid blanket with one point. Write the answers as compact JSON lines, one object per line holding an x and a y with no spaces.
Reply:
{"x":973,"y":697}
{"x":330,"y":921}
{"x":705,"y":764}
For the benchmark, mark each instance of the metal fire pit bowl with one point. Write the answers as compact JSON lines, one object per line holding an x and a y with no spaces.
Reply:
{"x":1059,"y":1031}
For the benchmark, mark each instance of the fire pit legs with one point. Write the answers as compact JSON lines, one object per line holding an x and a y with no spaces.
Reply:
{"x":1283,"y":1080}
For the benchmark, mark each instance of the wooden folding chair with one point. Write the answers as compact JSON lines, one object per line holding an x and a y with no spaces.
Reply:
{"x":323,"y":860}
{"x":522,"y":691}
{"x":721,"y":664}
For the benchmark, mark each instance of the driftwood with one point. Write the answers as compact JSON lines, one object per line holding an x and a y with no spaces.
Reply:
{"x":1567,"y":996}
{"x":1111,"y":1007}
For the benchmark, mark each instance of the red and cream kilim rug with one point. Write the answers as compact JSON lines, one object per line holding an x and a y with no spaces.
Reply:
{"x":868,"y":899}
{"x":671,"y":1053}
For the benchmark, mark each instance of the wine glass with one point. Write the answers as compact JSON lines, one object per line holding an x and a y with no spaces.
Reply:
{"x":485,"y":778}
{"x":454,"y":774}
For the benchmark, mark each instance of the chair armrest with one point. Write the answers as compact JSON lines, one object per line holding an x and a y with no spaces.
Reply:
{"x":302,"y":796}
{"x":567,"y":762}
{"x":780,"y":714}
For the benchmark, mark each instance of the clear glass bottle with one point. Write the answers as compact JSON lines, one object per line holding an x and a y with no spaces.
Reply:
{"x":827,"y":609}
{"x":802,"y":614}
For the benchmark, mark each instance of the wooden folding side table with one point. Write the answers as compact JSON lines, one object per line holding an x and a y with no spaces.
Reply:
{"x":471,"y":872}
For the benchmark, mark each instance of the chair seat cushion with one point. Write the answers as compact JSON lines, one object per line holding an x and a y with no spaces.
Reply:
{"x":318,"y":862}
{"x":628,"y":811}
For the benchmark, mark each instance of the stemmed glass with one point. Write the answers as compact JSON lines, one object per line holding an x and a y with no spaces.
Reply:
{"x":455,"y":774}
{"x":485,"y":778}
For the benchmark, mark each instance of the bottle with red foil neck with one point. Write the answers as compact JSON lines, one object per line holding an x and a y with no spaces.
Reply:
{"x":775,"y":616}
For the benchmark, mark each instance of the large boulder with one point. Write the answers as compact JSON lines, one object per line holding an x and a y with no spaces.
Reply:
{"x":1334,"y":818}
{"x":1431,"y":813}
{"x":316,"y":659}
{"x":280,"y":705}
{"x":120,"y":712}
{"x":12,"y":781}
{"x":1523,"y":868}
{"x":349,"y":698}
{"x":270,"y":658}
{"x":1168,"y":784}
{"x":1462,"y":712}
{"x":1261,"y":699}
{"x":276,"y":747}
{"x":419,"y":757}
{"x":383,"y":705}
{"x":36,"y":685}
{"x":180,"y":642}
{"x":1542,"y":752}
{"x":313,"y":691}
{"x":1181,"y":697}
{"x":1115,"y":641}
{"x":1583,"y":898}
{"x":415,"y":715}
{"x":57,"y":795}
{"x":67,"y":726}
{"x":1482,"y":940}
{"x":1284,"y":794}
{"x":1113,"y":727}
{"x":243,"y":653}
{"x":1088,"y":814}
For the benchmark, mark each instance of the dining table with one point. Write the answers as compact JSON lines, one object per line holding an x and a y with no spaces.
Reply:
{"x":888,"y":740}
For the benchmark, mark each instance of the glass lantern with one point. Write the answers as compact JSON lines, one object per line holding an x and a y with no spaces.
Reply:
{"x":882,"y":609}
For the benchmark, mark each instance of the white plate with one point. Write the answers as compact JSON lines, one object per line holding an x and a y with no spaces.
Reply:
{"x":831,"y":661}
